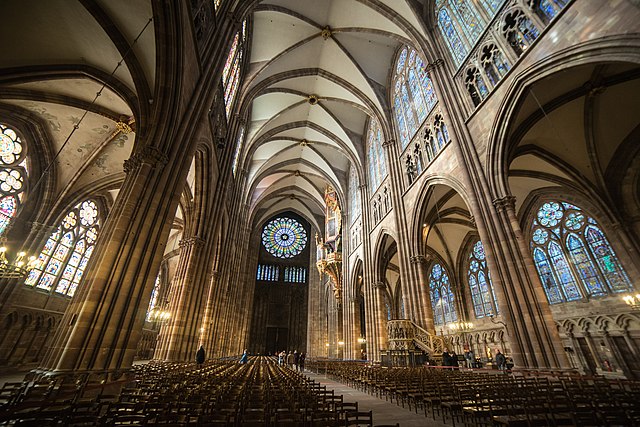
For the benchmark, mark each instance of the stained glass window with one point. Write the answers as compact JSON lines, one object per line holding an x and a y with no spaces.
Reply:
{"x":232,"y":67}
{"x":462,"y":22}
{"x":65,"y":255}
{"x":354,"y":193}
{"x":413,"y":95}
{"x":13,"y":175}
{"x":154,"y":297}
{"x":236,"y":154}
{"x":284,"y":237}
{"x":572,"y":255}
{"x":482,"y":293}
{"x":442,"y":298}
{"x":377,"y":162}
{"x":268,"y":273}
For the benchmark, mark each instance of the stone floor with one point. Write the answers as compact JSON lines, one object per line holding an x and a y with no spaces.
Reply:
{"x":384,"y":412}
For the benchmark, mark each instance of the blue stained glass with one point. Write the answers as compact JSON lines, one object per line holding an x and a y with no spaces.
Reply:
{"x":547,"y":9}
{"x":550,"y":214}
{"x":540,"y":236}
{"x":32,"y":277}
{"x":416,"y":92}
{"x":63,"y":285}
{"x":491,"y":6}
{"x":442,"y":298}
{"x":584,"y":265}
{"x":427,"y":84}
{"x":402,"y":126}
{"x":284,"y":237}
{"x":67,"y":239}
{"x":48,"y":247}
{"x":478,"y":250}
{"x":46,"y":281}
{"x":546,"y":276}
{"x":53,"y":266}
{"x":467,"y":16}
{"x":482,"y":87}
{"x":61,"y":252}
{"x":485,"y":293}
{"x":401,"y":59}
{"x":607,"y":261}
{"x":457,"y":49}
{"x":412,"y":127}
{"x":68,"y":272}
{"x":377,"y":162}
{"x":563,"y":271}
{"x":501,"y":64}
{"x":478,"y":307}
{"x":72,"y":289}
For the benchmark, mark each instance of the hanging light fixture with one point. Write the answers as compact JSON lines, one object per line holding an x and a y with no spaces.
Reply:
{"x":18,"y":267}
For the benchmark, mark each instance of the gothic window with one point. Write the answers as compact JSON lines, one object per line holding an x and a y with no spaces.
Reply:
{"x":547,"y":9}
{"x":476,"y":86}
{"x":482,"y":293}
{"x":377,"y":163}
{"x":413,"y":95}
{"x":354,"y":193}
{"x":284,"y":237}
{"x":442,"y":299}
{"x":430,"y":145}
{"x":573,"y":256}
{"x":13,"y":175}
{"x":268,"y":273}
{"x":294,"y":274}
{"x":493,"y":63}
{"x":154,"y":297}
{"x":462,"y":22}
{"x":519,"y":31}
{"x":231,"y":70}
{"x":64,"y":257}
{"x":236,"y":154}
{"x":442,"y":134}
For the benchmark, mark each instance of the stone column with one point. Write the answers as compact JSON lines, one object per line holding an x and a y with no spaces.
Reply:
{"x":420,"y":262}
{"x":532,"y":332}
{"x":410,"y":280}
{"x":381,"y":320}
{"x":101,"y":328}
{"x":187,"y":308}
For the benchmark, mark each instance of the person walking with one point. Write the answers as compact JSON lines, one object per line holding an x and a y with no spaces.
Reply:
{"x":245,"y":357}
{"x":200,"y":356}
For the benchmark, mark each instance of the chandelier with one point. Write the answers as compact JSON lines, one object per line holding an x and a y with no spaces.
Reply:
{"x":18,"y":268}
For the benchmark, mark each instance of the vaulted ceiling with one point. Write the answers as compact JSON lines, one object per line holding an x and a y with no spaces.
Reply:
{"x":318,"y":71}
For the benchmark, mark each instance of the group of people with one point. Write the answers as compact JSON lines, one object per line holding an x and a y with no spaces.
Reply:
{"x":451,"y":359}
{"x":293,"y":360}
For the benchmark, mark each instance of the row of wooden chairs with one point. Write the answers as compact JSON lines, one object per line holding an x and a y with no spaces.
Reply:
{"x":221,"y":393}
{"x":484,"y":398}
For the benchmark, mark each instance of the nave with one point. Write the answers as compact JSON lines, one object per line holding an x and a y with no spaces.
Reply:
{"x":329,"y":393}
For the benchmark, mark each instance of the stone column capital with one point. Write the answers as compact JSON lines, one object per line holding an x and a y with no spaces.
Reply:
{"x":379,"y":285}
{"x":504,"y":203}
{"x":148,"y":155}
{"x":421,"y":259}
{"x":389,"y":143}
{"x":194,"y":241}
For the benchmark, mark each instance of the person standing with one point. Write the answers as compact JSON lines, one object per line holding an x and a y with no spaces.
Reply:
{"x":296,"y":358}
{"x":470,"y":358}
{"x":303,"y":356}
{"x":290,"y":359}
{"x":200,"y":356}
{"x":245,"y":357}
{"x":446,"y":358}
{"x":500,"y":359}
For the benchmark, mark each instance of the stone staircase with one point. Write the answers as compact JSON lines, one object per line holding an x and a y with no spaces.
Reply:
{"x":405,"y":335}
